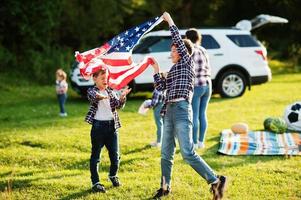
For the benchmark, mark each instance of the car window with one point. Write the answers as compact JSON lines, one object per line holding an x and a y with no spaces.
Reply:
{"x":208,"y":42}
{"x":144,"y":44}
{"x":244,"y":40}
{"x":163,"y":45}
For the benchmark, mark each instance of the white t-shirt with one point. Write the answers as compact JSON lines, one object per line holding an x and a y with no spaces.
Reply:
{"x":104,"y":111}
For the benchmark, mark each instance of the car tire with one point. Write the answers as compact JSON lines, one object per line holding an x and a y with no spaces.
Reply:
{"x":232,"y":84}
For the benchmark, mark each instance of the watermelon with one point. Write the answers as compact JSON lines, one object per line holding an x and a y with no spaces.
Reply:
{"x":275,"y":124}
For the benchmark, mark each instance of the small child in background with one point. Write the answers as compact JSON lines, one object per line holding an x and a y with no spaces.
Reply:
{"x":157,"y":103}
{"x":61,"y":87}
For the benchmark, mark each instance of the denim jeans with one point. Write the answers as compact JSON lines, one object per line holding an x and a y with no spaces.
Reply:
{"x":103,"y":134}
{"x":62,"y":99}
{"x":178,"y":123}
{"x":159,"y":121}
{"x":200,"y":100}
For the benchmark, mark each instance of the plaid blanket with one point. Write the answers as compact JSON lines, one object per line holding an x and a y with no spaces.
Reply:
{"x":259,"y":143}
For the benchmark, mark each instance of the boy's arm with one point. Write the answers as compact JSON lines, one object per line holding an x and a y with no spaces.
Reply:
{"x":160,"y":82}
{"x":176,"y":37}
{"x":118,"y":103}
{"x":92,"y":95}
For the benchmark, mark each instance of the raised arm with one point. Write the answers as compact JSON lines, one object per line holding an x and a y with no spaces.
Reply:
{"x":176,"y":37}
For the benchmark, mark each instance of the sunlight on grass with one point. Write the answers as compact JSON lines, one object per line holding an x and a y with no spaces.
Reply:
{"x":44,"y":156}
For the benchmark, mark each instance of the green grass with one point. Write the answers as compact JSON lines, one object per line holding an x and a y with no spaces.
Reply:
{"x":43,"y":156}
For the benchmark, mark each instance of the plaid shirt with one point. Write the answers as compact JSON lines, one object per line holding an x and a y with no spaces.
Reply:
{"x":158,"y":97}
{"x":180,"y":78}
{"x":202,"y":66}
{"x":115,"y":104}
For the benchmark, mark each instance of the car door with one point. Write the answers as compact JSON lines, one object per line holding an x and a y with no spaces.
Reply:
{"x":259,"y":21}
{"x":216,"y":54}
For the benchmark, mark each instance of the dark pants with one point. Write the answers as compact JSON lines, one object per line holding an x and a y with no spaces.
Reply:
{"x":62,"y":99}
{"x":103,"y":133}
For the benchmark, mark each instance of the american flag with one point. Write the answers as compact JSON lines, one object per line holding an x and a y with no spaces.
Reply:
{"x":116,"y":56}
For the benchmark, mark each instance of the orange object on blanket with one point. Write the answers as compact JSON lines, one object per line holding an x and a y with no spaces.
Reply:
{"x":241,"y":128}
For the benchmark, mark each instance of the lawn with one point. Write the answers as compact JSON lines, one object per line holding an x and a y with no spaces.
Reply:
{"x":43,"y":156}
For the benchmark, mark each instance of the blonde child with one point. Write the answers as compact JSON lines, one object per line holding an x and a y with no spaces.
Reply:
{"x":61,"y":87}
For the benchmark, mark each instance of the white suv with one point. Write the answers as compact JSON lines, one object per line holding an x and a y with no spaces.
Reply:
{"x":237,"y":59}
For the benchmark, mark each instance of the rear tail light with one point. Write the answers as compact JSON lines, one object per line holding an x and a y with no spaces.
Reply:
{"x":262,"y":54}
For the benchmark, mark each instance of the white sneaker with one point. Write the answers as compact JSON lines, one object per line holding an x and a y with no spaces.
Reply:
{"x":155,"y":144}
{"x":195,"y":146}
{"x":201,"y":145}
{"x":63,"y":114}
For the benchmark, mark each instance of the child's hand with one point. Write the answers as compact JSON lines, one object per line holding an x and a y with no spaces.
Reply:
{"x":101,"y":97}
{"x":155,"y":66}
{"x":125,"y":92}
{"x":166,"y":16}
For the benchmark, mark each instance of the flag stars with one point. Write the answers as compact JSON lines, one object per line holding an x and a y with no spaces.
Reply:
{"x":118,"y":38}
{"x":137,"y":29}
{"x":128,"y":48}
{"x":138,"y":35}
{"x":126,"y":33}
{"x":144,"y":30}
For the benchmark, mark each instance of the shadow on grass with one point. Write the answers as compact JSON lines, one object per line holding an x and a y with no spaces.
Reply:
{"x":137,"y":150}
{"x":77,"y":195}
{"x":105,"y":167}
{"x":28,"y":182}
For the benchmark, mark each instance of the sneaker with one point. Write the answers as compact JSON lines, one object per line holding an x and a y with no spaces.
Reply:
{"x":195,"y":146}
{"x":201,"y":145}
{"x":161,"y":193}
{"x":63,"y":114}
{"x":98,"y":188}
{"x":115,"y":181}
{"x":155,"y":144}
{"x":218,"y":188}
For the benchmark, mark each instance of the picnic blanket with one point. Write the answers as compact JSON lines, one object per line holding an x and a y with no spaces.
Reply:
{"x":259,"y":143}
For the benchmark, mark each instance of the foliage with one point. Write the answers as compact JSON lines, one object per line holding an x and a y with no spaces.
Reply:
{"x":34,"y":33}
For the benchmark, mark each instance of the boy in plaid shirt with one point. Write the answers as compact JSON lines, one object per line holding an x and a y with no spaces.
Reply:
{"x":104,"y":119}
{"x":177,"y":113}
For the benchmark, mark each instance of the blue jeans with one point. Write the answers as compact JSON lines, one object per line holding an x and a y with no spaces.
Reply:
{"x":103,"y":134}
{"x":62,"y":99}
{"x":200,"y":100}
{"x":159,"y":121}
{"x":178,"y":123}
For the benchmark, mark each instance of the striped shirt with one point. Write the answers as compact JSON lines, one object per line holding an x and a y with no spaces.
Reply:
{"x":202,"y":66}
{"x":180,"y":78}
{"x":115,"y":104}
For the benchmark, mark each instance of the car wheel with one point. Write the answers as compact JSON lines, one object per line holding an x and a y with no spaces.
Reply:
{"x":232,"y":84}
